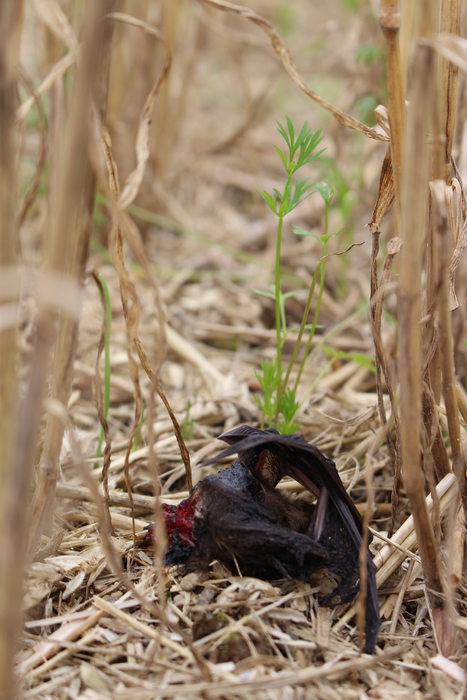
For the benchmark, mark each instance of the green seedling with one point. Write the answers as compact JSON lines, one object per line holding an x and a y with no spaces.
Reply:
{"x":289,"y":409}
{"x":279,"y":402}
{"x":269,"y":380}
{"x":278,"y":398}
{"x":284,"y":202}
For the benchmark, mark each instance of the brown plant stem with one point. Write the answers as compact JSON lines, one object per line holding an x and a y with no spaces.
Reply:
{"x":450,"y":23}
{"x":443,"y":313}
{"x":11,"y":491}
{"x":414,"y":205}
{"x":390,"y":22}
{"x":123,"y":224}
{"x":72,"y":211}
{"x":435,"y":440}
{"x":393,"y":248}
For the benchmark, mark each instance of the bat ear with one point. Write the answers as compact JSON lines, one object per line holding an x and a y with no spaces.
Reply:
{"x":233,"y":437}
{"x":246,"y":439}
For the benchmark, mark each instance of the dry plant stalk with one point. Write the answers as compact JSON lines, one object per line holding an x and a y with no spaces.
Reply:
{"x":393,"y":248}
{"x":10,"y":26}
{"x":450,"y":23}
{"x":23,"y":423}
{"x":74,"y":202}
{"x":414,"y":207}
{"x":11,"y":15}
{"x":456,"y":549}
{"x":123,"y":224}
{"x":384,"y":202}
{"x":31,"y":192}
{"x":390,"y":22}
{"x":120,"y":201}
{"x":165,"y":119}
{"x":443,"y":313}
{"x":390,"y":189}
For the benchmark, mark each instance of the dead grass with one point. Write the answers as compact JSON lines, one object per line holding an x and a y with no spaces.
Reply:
{"x":189,"y":240}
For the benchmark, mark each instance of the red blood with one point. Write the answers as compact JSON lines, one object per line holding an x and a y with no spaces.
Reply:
{"x":179,"y":519}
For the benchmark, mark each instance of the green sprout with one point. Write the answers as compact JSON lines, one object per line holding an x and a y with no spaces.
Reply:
{"x":279,"y":399}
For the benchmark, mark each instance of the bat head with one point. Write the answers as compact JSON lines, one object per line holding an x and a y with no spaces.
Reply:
{"x":261,"y":461}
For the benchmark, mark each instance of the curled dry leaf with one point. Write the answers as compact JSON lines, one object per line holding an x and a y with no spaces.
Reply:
{"x":70,"y":562}
{"x":95,"y":679}
{"x":394,"y":246}
{"x":134,"y":179}
{"x":59,"y":69}
{"x":45,"y":570}
{"x":286,"y":60}
{"x":246,"y":588}
{"x":53,"y":16}
{"x":385,"y":198}
{"x":73,"y":584}
{"x":37,"y":590}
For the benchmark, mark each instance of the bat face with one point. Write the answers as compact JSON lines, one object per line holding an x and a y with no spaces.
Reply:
{"x":238,"y":517}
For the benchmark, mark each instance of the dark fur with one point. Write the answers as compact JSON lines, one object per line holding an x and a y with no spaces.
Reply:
{"x":242,"y":520}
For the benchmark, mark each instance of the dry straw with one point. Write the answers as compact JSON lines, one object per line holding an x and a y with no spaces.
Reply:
{"x":417,"y":398}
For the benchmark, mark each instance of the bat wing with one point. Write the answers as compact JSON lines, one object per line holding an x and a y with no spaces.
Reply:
{"x":297,"y":458}
{"x":343,"y":544}
{"x":340,"y":530}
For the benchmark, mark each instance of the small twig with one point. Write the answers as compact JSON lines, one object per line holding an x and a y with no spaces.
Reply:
{"x":446,"y":342}
{"x":400,"y":598}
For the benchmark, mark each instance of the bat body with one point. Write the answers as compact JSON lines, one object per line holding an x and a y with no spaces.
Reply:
{"x":239,"y":517}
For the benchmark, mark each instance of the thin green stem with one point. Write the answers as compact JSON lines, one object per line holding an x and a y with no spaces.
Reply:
{"x":323,"y":340}
{"x":320,"y":298}
{"x":320,"y":375}
{"x":272,"y":382}
{"x":278,"y":296}
{"x":301,"y":331}
{"x":281,"y":212}
{"x":106,"y":361}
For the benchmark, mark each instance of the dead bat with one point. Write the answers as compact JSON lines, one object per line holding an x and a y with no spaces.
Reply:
{"x":239,"y":518}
